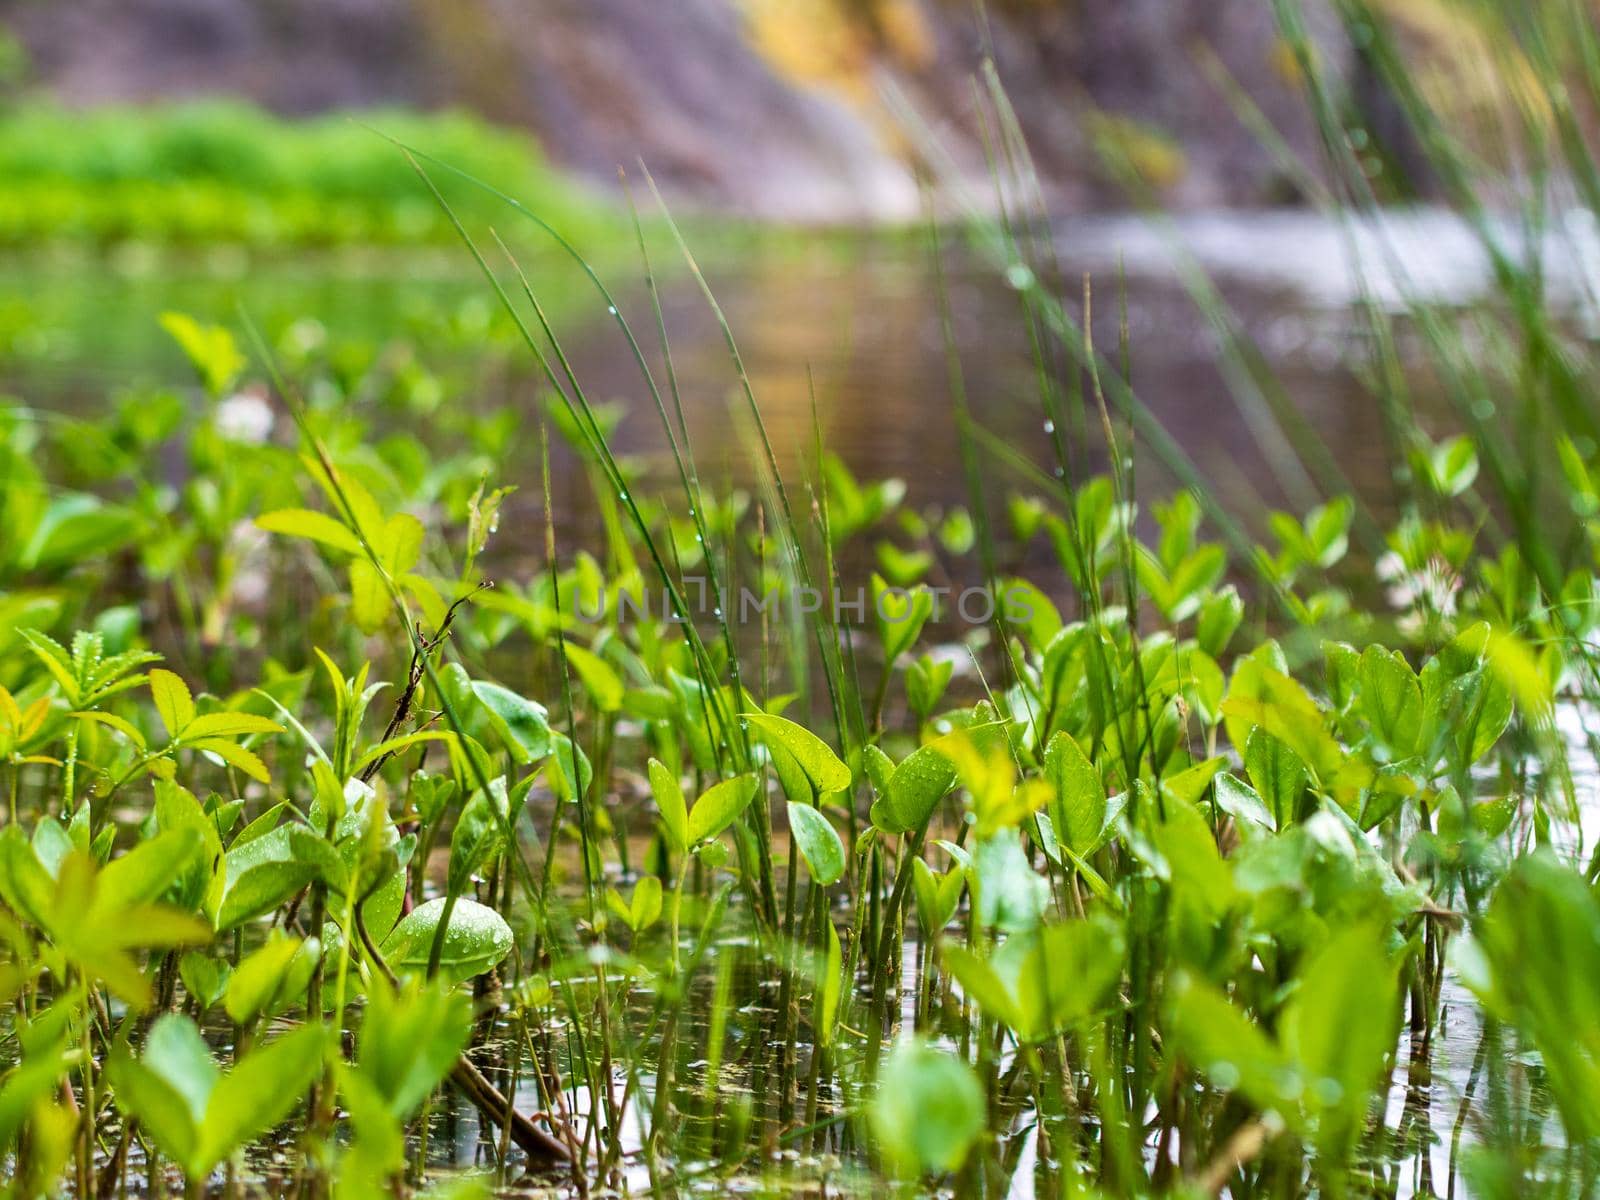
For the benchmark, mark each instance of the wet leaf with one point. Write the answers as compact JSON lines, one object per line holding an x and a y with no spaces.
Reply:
{"x":476,"y":939}
{"x":719,"y":806}
{"x":815,"y":756}
{"x":819,"y":843}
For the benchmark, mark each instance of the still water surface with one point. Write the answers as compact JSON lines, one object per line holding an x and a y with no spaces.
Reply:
{"x":849,"y":323}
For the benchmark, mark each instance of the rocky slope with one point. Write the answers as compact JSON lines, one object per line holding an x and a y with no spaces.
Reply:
{"x":814,"y":110}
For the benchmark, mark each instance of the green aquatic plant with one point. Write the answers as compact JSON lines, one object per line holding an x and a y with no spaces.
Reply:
{"x":1184,"y":868}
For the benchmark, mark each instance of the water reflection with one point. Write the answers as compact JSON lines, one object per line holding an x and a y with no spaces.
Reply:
{"x":840,"y":334}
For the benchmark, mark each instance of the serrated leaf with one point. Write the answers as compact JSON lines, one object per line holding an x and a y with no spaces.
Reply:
{"x":172,"y":699}
{"x":313,"y":525}
{"x":235,"y":756}
{"x":229,"y":725}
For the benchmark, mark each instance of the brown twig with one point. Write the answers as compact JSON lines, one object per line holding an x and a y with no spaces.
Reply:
{"x":425,"y":646}
{"x":498,"y":1112}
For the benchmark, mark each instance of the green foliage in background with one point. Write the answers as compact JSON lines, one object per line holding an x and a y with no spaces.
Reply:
{"x":199,"y":174}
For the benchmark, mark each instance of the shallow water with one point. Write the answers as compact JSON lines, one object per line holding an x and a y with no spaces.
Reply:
{"x":851,"y":321}
{"x":853,"y":326}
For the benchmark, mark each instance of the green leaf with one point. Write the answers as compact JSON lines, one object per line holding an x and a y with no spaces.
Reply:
{"x":718,"y":807}
{"x":832,"y":987}
{"x":816,"y":758}
{"x":1340,"y":1026}
{"x":903,"y":567}
{"x":1452,"y":465}
{"x":409,"y":1040}
{"x":645,"y":907}
{"x":479,"y":834}
{"x":210,"y":349}
{"x":669,"y":799}
{"x":260,"y":875}
{"x":1029,"y":609}
{"x":1533,"y":964}
{"x":1241,"y":802}
{"x":569,"y":772}
{"x":142,"y":1092}
{"x":795,"y":783}
{"x":258,"y":978}
{"x":900,"y":617}
{"x":475,"y":940}
{"x":819,"y":843}
{"x":235,"y":756}
{"x":400,"y":544}
{"x":1327,"y":530}
{"x":315,"y":526}
{"x":259,"y":1093}
{"x":177,"y":1053}
{"x":1220,"y":614}
{"x":396,"y":744}
{"x":926,"y":681}
{"x":1261,"y":695}
{"x":599,"y":679}
{"x":919,"y":782}
{"x":1009,"y":894}
{"x":1391,"y":700}
{"x":1078,"y":806}
{"x":928,"y":1111}
{"x":146,"y":871}
{"x":369,"y":596}
{"x":938,"y":896}
{"x":1226,"y":1047}
{"x":75,"y":528}
{"x":979,"y":980}
{"x":24,"y":883}
{"x":204,"y":977}
{"x":1473,"y":710}
{"x":229,"y":725}
{"x":1278,"y":775}
{"x":1066,"y":976}
{"x":172,"y":699}
{"x":523,"y":724}
{"x":1189,"y":785}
